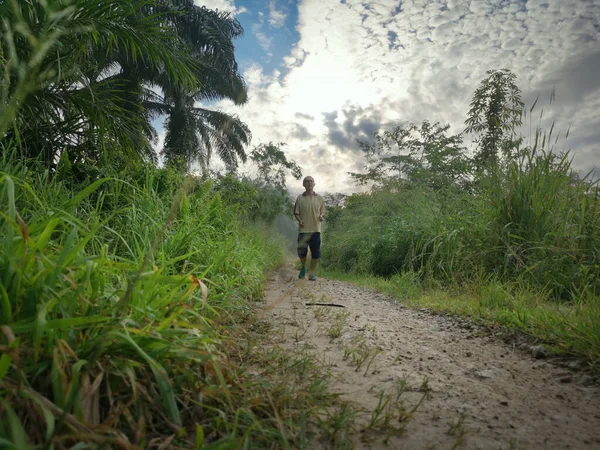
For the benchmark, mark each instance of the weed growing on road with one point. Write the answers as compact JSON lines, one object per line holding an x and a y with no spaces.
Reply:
{"x":457,"y":428}
{"x":360,"y":354}
{"x":340,"y":321}
{"x":338,"y":423}
{"x":391,"y":415}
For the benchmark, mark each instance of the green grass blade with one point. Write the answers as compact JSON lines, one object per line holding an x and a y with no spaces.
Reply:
{"x":5,"y":306}
{"x":16,"y":430}
{"x":86,"y":192}
{"x":162,"y":379}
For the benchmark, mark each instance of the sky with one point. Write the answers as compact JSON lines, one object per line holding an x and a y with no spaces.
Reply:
{"x":323,"y":73}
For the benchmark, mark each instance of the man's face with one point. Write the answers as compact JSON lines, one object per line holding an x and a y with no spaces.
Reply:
{"x":309,"y":182}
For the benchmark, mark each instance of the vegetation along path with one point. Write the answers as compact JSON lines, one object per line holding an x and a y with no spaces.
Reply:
{"x":412,"y":379}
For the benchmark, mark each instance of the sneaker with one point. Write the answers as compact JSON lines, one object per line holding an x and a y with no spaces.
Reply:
{"x":302,"y":273}
{"x":312,"y":278}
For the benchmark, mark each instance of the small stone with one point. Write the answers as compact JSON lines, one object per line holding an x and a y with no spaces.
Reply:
{"x":469,"y":354}
{"x":504,"y":403}
{"x":539,"y":351}
{"x":567,"y":379}
{"x":489,"y":373}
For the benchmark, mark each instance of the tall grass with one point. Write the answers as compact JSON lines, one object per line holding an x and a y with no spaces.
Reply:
{"x":532,"y":225}
{"x":121,"y":294}
{"x":113,"y":300}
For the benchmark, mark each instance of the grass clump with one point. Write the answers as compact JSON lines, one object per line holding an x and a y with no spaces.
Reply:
{"x":118,"y":303}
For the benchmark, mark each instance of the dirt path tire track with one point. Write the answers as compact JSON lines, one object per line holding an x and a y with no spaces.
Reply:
{"x":484,"y":394}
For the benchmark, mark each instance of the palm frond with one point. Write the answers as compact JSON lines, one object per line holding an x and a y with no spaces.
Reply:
{"x":226,"y":135}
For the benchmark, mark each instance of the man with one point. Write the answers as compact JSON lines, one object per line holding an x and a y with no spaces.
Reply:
{"x":309,"y":210}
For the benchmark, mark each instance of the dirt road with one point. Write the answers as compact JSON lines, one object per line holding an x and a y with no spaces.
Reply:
{"x":476,"y":391}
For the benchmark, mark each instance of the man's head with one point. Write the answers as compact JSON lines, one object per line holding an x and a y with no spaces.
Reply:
{"x":308,"y":183}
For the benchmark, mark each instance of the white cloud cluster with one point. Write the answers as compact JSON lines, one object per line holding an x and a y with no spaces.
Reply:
{"x":363,"y":63}
{"x":276,"y":16}
{"x":221,"y":5}
{"x":264,"y":40}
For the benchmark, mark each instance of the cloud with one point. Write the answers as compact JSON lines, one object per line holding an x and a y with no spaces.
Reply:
{"x":300,"y":132}
{"x":367,"y":64}
{"x":276,"y":17}
{"x":303,"y":116}
{"x":221,"y":5}
{"x":352,"y":123}
{"x":265,"y":41}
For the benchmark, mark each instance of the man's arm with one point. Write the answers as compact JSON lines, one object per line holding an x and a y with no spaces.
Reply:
{"x":297,"y":214}
{"x":322,"y":210}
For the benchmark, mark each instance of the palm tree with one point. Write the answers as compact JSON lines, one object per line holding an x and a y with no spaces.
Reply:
{"x":195,"y":133}
{"x":67,"y":103}
{"x":90,"y":90}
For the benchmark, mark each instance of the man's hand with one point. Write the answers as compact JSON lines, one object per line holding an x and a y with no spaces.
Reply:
{"x":321,"y":218}
{"x":301,"y":224}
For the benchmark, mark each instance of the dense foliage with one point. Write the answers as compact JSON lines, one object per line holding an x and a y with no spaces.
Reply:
{"x":121,"y":285}
{"x":83,"y":80}
{"x":515,"y":215}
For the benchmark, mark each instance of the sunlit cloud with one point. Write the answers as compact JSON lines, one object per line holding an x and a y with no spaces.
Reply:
{"x":221,"y":5}
{"x":276,"y":16}
{"x":359,"y":66}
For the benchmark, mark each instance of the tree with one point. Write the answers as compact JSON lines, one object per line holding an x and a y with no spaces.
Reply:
{"x":195,"y":133}
{"x":67,"y":103}
{"x":273,"y":196}
{"x":272,"y":165}
{"x":91,"y":94}
{"x":424,"y":155}
{"x":496,"y":111}
{"x":334,"y":204}
{"x":263,"y":197}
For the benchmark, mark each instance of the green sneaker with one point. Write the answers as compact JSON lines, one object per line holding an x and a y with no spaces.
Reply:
{"x":312,"y":278}
{"x":302,"y":273}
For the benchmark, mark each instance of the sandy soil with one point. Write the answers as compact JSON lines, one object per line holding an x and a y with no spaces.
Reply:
{"x":478,"y":391}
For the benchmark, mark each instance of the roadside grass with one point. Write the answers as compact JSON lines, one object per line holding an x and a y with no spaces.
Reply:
{"x":120,"y":311}
{"x":569,"y":329}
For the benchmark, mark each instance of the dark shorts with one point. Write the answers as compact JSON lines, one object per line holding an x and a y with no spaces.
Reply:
{"x":312,"y":240}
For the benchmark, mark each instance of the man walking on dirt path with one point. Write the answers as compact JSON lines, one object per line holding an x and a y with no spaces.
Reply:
{"x":308,"y":210}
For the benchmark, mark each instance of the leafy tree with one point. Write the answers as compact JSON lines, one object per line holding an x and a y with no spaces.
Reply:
{"x":263,"y":197}
{"x":272,"y":164}
{"x":334,"y":204}
{"x":83,"y":74}
{"x":273,"y":196}
{"x":195,"y":133}
{"x":496,"y":111}
{"x":73,"y":105}
{"x":424,"y":155}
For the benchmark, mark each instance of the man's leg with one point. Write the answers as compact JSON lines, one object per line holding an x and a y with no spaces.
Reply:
{"x":303,"y":239}
{"x":315,"y":254}
{"x":313,"y":265}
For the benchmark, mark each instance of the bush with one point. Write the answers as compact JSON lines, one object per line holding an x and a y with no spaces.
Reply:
{"x":110,"y":300}
{"x":534,"y":222}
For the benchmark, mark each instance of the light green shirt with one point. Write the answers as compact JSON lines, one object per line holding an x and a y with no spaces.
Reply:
{"x":309,"y":207}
